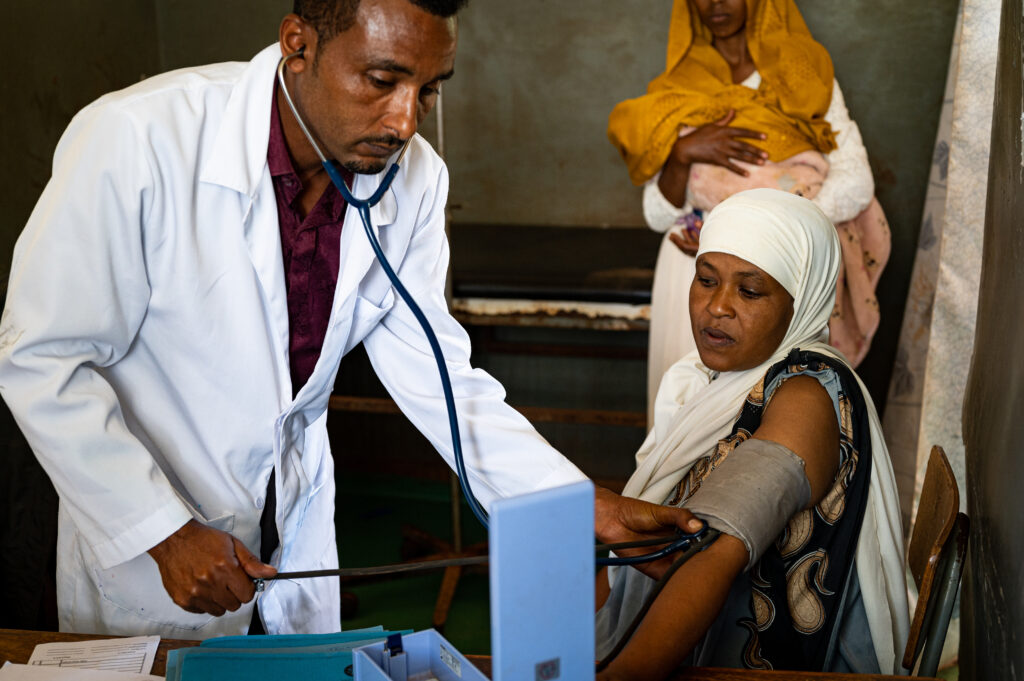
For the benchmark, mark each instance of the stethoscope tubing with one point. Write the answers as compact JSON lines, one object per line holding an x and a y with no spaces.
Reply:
{"x":362,"y":206}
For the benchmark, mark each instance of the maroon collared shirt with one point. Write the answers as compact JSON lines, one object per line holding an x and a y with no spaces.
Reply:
{"x":311,"y":247}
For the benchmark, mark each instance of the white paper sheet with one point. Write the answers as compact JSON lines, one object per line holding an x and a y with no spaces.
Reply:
{"x":134,"y":655}
{"x":24,"y":672}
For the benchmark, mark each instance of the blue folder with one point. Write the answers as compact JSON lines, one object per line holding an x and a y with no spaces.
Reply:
{"x":310,"y":657}
{"x":295,"y":640}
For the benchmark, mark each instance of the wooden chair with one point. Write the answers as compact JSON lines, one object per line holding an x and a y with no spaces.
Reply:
{"x":938,"y":546}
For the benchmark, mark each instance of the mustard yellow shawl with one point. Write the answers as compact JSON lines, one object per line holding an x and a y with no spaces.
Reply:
{"x":696,"y":89}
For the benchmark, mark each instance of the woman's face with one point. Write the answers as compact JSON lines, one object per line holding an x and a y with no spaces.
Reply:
{"x":724,"y":18}
{"x":738,"y":312}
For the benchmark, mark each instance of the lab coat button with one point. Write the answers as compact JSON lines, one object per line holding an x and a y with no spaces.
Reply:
{"x":259,"y":502}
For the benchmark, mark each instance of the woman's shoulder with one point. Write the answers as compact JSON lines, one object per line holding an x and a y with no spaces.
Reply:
{"x":802,"y":412}
{"x":830,"y":373}
{"x":800,"y":408}
{"x":802,"y":388}
{"x":822,"y":384}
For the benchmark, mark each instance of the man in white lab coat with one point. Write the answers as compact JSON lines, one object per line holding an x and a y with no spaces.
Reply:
{"x":168,"y":347}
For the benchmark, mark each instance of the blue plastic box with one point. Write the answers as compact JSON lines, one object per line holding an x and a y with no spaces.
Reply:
{"x":427,"y":655}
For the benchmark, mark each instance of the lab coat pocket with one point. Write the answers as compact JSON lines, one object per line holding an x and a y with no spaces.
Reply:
{"x":368,"y":314}
{"x":136,"y":590}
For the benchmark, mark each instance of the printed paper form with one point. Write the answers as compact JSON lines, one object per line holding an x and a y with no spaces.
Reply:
{"x":133,"y":655}
{"x":24,"y":672}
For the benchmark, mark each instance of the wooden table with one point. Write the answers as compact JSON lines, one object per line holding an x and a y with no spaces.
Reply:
{"x":17,"y":646}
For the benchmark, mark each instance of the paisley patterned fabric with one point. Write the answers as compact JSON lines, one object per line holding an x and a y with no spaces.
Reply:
{"x":790,"y":239}
{"x":799,"y":584}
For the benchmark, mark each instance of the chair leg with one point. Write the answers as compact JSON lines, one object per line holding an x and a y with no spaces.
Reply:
{"x":445,"y":596}
{"x":948,"y":581}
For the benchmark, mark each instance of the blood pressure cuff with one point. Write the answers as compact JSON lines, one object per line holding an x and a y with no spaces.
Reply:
{"x":753,"y":493}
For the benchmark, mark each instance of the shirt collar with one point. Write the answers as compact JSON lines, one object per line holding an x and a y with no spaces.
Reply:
{"x":278,"y":158}
{"x":279,"y":162}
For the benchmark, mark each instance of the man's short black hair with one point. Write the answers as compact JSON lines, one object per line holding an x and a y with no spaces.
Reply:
{"x":331,"y":17}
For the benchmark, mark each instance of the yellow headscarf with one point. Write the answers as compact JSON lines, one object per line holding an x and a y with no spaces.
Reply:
{"x":696,"y":89}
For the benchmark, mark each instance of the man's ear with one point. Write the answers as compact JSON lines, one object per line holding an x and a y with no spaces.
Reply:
{"x":295,"y":35}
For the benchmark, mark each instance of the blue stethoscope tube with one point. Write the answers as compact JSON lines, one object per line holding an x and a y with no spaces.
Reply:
{"x":683,"y":540}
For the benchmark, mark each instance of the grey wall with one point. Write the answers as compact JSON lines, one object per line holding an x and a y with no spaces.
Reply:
{"x":63,"y":55}
{"x":891,"y":60}
{"x":992,"y":611}
{"x":526,"y":113}
{"x":81,"y":49}
{"x":194,"y":32}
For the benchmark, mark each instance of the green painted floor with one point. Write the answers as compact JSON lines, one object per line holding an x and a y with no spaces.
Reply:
{"x":371,"y":512}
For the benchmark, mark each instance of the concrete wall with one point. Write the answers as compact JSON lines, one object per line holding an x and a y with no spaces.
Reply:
{"x":526,"y":113}
{"x":194,"y":32}
{"x":891,"y":60}
{"x":992,"y":612}
{"x":62,"y":55}
{"x":77,"y":50}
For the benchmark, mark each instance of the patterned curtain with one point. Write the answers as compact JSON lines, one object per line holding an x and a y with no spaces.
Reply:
{"x":937,"y":339}
{"x":902,"y":419}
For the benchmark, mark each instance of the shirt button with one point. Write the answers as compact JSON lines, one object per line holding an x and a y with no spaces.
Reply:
{"x":259,"y":502}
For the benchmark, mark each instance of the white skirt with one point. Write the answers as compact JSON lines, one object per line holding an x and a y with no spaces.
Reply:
{"x":670,"y":336}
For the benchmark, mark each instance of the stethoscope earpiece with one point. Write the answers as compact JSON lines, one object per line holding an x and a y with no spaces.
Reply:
{"x":359,"y":204}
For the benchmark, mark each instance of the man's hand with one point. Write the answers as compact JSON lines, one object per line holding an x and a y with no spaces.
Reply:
{"x":719,"y":144}
{"x":621,"y":519}
{"x":206,"y":570}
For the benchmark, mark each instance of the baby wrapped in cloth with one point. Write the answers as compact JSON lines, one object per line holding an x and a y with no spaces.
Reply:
{"x":787,"y":99}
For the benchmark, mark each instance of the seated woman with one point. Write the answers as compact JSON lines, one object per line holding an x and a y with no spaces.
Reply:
{"x":748,"y":99}
{"x":767,"y":434}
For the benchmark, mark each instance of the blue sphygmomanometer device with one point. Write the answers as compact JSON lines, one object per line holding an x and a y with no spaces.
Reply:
{"x":682,"y":541}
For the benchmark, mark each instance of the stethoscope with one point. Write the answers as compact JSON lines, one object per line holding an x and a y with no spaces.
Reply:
{"x":681,"y":542}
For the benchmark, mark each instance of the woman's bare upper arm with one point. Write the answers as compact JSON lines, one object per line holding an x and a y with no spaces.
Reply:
{"x":802,"y":417}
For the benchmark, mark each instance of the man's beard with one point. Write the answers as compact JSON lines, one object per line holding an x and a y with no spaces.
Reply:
{"x":365,"y":167}
{"x":374,"y":167}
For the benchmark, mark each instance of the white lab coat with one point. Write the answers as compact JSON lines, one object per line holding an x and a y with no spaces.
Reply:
{"x":144,"y":351}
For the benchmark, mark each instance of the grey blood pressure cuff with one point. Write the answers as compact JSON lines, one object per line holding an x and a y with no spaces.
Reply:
{"x":753,"y":493}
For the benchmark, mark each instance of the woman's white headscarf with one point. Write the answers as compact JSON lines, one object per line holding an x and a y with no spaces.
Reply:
{"x":789,"y":238}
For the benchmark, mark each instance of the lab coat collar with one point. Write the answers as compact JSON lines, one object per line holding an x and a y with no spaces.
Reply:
{"x":239,"y":154}
{"x":238,"y":161}
{"x":355,"y":247}
{"x":386,"y":210}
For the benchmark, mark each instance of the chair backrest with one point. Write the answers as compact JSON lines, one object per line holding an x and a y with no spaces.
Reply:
{"x":935,"y":558}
